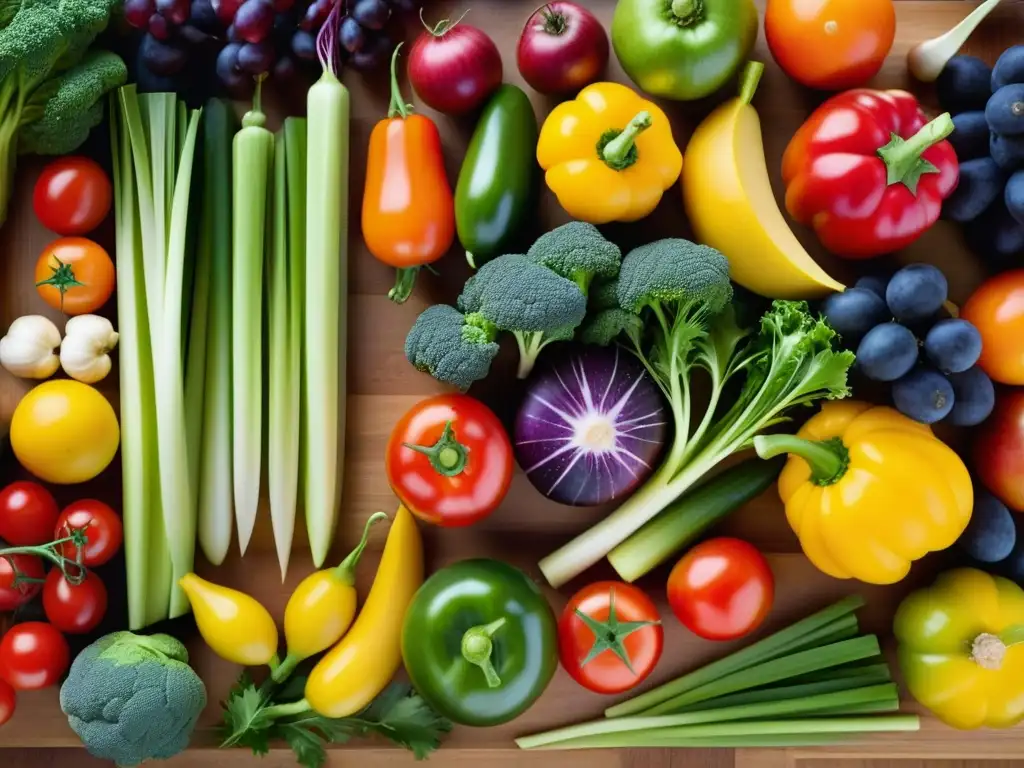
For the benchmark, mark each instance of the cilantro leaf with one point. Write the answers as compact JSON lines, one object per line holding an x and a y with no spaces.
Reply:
{"x":243,"y":725}
{"x":306,"y":743}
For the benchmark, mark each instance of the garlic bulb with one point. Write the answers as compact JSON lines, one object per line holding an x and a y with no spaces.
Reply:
{"x":28,"y":348}
{"x":84,"y":352}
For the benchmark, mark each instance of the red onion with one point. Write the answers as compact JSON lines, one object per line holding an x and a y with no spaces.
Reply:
{"x":454,"y":67}
{"x":563,"y":47}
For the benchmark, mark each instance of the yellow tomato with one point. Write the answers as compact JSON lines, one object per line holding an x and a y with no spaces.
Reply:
{"x":64,"y":432}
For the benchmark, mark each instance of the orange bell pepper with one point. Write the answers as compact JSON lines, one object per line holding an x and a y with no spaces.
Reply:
{"x":408,"y":210}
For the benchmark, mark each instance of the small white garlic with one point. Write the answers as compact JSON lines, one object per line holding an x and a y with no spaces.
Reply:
{"x":28,"y":348}
{"x":84,"y":352}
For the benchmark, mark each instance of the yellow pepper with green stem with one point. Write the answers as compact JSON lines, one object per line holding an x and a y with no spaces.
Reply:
{"x":868,"y":490}
{"x":961,"y":648}
{"x":608,"y":155}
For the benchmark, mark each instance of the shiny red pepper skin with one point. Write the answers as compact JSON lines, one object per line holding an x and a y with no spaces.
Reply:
{"x":837,"y":181}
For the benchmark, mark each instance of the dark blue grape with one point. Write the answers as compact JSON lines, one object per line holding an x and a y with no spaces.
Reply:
{"x":227,"y":62}
{"x":970,"y":137}
{"x":374,"y":54}
{"x":372,"y":14}
{"x":351,"y":35}
{"x":975,"y":397}
{"x":952,"y":345}
{"x":992,"y":533}
{"x":1013,"y":196}
{"x":256,"y":58}
{"x":254,"y":20}
{"x":1005,"y":110}
{"x":964,"y":84}
{"x":996,"y":236}
{"x":854,"y":312}
{"x":1006,"y":151}
{"x":202,"y":16}
{"x":1009,"y":68}
{"x":304,"y":45}
{"x":887,"y":352}
{"x":874,"y":283}
{"x":981,"y":182}
{"x":162,"y":58}
{"x":1013,"y":566}
{"x":925,"y":395}
{"x":916,"y":292}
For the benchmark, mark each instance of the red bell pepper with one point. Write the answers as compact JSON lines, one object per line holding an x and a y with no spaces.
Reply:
{"x":869,"y":172}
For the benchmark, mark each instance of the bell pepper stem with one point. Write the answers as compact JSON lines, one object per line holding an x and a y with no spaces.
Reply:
{"x":749,"y":80}
{"x":397,"y":107}
{"x":988,"y":651}
{"x":687,"y":12}
{"x":283,"y":670}
{"x":346,"y":570}
{"x":619,"y":152}
{"x":405,"y":279}
{"x":447,"y":456}
{"x":828,"y":459}
{"x":477,"y":648}
{"x":902,"y":157}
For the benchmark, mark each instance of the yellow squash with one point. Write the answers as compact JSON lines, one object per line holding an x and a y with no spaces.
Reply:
{"x":868,"y":491}
{"x":731,"y":207}
{"x":608,"y":154}
{"x":352,"y":673}
{"x":235,"y":626}
{"x":321,"y":608}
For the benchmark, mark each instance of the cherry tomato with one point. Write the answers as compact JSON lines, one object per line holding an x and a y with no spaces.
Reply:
{"x":721,"y":589}
{"x":7,"y":702}
{"x":33,"y":655}
{"x":830,"y":44}
{"x":72,"y":196}
{"x":449,"y":460}
{"x":28,"y":513}
{"x":74,"y":275}
{"x":21,"y":566}
{"x":74,"y":608}
{"x":996,"y":309}
{"x":588,"y":625}
{"x":999,"y":449}
{"x":102,"y":526}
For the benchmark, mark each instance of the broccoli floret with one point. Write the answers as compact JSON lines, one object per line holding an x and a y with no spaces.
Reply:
{"x":673,"y":275}
{"x":132,"y":698}
{"x":450,"y":346}
{"x":579,"y":252}
{"x":603,"y":295}
{"x":530,"y":301}
{"x":602,"y":328}
{"x":43,"y":78}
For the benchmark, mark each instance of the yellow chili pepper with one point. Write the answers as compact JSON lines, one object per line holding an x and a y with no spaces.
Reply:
{"x":961,"y":648}
{"x":868,"y":491}
{"x":321,"y":608}
{"x":235,"y":626}
{"x":352,"y":673}
{"x":608,"y":154}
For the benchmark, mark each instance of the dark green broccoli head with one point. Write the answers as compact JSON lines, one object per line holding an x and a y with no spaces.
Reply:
{"x":604,"y":295}
{"x":450,"y":346}
{"x":605,"y":326}
{"x":579,"y":252}
{"x":517,"y":295}
{"x":674,"y":271}
{"x":132,"y":698}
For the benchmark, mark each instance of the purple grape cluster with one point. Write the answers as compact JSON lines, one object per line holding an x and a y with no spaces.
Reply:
{"x":901,"y":337}
{"x":250,"y":38}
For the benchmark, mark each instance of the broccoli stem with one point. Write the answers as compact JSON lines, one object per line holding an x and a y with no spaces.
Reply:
{"x":530,"y":346}
{"x":10,"y":120}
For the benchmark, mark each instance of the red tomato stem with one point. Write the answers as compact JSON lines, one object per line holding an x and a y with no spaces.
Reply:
{"x":447,"y":456}
{"x":63,"y":279}
{"x":902,"y":157}
{"x":609,"y":635}
{"x":51,"y":552}
{"x":477,"y":648}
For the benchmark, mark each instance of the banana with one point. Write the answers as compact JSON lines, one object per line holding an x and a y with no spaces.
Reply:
{"x":731,"y":207}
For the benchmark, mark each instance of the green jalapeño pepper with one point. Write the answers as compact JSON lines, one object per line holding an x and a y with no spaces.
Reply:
{"x":480,"y":642}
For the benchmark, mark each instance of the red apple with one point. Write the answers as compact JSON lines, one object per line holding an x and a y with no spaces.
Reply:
{"x":563,"y":47}
{"x":999,"y":449}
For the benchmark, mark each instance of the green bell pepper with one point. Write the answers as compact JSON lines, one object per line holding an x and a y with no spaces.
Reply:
{"x":499,"y":180}
{"x":683,"y":49}
{"x":480,"y":642}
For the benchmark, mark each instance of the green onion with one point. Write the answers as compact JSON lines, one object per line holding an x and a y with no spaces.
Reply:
{"x":326,"y":334}
{"x":252,"y":161}
{"x":213,"y":476}
{"x":286,"y":284}
{"x":769,"y":648}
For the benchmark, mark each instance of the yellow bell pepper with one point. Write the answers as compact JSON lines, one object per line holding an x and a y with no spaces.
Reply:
{"x":608,"y":154}
{"x":959,"y":647}
{"x":868,"y":491}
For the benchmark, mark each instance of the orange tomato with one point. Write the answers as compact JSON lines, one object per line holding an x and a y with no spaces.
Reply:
{"x":75,"y":275}
{"x":997,"y":310}
{"x":830,"y":44}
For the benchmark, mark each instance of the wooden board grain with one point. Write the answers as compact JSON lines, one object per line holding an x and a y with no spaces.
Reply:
{"x":526,"y":527}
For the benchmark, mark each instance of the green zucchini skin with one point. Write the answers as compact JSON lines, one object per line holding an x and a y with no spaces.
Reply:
{"x":499,"y":180}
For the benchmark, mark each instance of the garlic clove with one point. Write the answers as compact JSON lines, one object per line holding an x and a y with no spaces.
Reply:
{"x":84,"y":352}
{"x":28,"y":348}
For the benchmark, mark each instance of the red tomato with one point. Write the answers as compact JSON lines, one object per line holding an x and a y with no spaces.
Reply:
{"x":830,"y":44}
{"x":33,"y":655}
{"x":72,"y":196}
{"x":579,"y":637}
{"x":74,"y":608}
{"x":7,"y":702}
{"x":28,"y":513}
{"x":996,"y":309}
{"x":102,"y":526}
{"x":998,"y":454}
{"x":721,"y":589}
{"x":12,"y":566}
{"x":449,"y":460}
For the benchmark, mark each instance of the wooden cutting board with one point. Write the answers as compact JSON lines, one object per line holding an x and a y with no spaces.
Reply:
{"x":382,"y":385}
